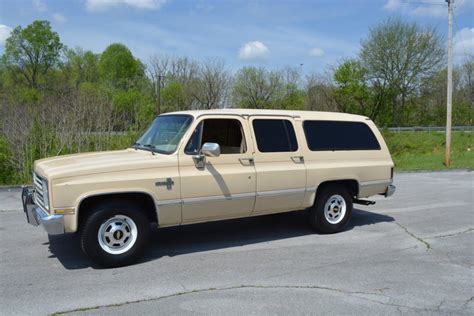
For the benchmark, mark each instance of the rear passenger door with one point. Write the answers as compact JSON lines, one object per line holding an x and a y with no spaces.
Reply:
{"x":279,"y":164}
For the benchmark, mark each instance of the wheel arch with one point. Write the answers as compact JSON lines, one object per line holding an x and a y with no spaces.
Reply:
{"x":143,"y":199}
{"x":350,"y":184}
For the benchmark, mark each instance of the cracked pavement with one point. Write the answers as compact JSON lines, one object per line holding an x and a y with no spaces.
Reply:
{"x":411,"y":253}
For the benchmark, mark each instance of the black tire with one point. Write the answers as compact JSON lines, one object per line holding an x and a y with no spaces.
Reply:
{"x":317,"y":217}
{"x":113,"y":214}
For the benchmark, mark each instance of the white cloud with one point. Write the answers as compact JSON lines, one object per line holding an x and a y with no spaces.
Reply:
{"x":430,"y":8}
{"x":40,"y":6}
{"x":254,"y":51}
{"x":99,"y":5}
{"x":464,"y":42}
{"x":4,"y":33}
{"x":316,"y":52}
{"x":59,"y":18}
{"x":392,"y":5}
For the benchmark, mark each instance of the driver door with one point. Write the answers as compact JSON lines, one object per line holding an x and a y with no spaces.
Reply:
{"x":225,"y":186}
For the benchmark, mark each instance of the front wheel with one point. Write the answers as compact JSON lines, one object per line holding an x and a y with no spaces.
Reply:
{"x":114,"y":234}
{"x":332,"y":210}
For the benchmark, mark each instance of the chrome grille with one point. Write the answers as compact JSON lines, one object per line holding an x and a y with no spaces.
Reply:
{"x":38,"y":185}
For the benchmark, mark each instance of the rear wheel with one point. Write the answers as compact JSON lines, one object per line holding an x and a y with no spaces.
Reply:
{"x":332,"y":209}
{"x":115,"y":233}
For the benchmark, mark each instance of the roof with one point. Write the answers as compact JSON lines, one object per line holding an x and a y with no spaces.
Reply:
{"x":316,"y":115}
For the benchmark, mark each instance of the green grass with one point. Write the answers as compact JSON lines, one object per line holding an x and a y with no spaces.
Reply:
{"x":413,"y":151}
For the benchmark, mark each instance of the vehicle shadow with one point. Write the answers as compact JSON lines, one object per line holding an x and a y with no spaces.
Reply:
{"x":173,"y":241}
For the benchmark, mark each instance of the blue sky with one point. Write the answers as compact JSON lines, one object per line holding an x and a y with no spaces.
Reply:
{"x":273,"y":34}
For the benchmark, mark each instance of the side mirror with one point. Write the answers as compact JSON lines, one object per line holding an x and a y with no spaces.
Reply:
{"x":207,"y":150}
{"x":211,"y":150}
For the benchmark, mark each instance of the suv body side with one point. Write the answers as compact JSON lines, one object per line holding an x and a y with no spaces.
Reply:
{"x":238,"y":185}
{"x":201,"y":166}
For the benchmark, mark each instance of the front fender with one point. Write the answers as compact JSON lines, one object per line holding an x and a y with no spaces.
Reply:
{"x":68,"y":194}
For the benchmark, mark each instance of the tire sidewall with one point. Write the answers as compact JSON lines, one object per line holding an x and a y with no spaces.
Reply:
{"x":89,"y":235}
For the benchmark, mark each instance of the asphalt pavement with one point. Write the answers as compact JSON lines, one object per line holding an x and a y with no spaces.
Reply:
{"x":411,"y":253}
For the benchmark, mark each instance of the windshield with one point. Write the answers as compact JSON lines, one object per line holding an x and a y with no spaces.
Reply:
{"x":164,"y":134}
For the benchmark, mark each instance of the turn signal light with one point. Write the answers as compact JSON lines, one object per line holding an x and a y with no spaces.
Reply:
{"x":64,"y":211}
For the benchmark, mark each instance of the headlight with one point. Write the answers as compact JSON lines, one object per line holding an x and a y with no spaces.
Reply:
{"x":45,"y":194}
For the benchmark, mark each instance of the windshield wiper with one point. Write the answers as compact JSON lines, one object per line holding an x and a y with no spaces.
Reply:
{"x":155,"y":150}
{"x":149,"y":147}
{"x":152,"y":147}
{"x":140,"y":146}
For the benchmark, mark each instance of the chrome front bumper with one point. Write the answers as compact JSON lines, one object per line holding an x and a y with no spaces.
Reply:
{"x":35,"y":215}
{"x":390,"y":190}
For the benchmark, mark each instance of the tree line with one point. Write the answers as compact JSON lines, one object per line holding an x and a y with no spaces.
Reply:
{"x":56,"y":100}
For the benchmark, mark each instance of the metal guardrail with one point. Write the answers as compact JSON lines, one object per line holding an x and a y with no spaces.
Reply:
{"x":428,"y":128}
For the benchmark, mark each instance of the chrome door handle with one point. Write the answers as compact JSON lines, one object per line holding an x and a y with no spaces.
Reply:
{"x":297,"y":159}
{"x":246,"y":161}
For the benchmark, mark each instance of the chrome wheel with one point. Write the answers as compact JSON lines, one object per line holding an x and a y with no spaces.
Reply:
{"x":335,"y":209}
{"x":118,"y":234}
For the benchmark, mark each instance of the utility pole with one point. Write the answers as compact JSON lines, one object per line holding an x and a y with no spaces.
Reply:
{"x":449,"y":105}
{"x":159,"y":85}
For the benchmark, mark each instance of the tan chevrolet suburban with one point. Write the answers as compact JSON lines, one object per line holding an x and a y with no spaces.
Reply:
{"x":198,"y":166}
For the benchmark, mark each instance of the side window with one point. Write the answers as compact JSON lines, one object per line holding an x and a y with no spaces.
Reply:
{"x":339,"y":135}
{"x":228,"y":133}
{"x":275,"y":135}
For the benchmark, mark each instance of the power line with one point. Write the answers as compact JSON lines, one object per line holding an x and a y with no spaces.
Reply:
{"x":422,"y":3}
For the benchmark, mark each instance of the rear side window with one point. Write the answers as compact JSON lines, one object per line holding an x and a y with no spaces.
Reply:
{"x":339,"y":135}
{"x":275,"y":136}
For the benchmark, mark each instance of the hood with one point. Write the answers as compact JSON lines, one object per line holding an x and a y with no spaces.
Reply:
{"x":100,"y":162}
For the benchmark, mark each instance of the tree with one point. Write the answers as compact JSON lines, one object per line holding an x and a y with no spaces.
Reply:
{"x":467,"y":78}
{"x":83,"y":66}
{"x":292,"y":97}
{"x":211,"y":88}
{"x":157,"y":69}
{"x":464,"y":96}
{"x":398,"y":57}
{"x":257,"y":88}
{"x":119,"y":68}
{"x":180,"y":73}
{"x":173,"y":98}
{"x":33,"y":51}
{"x":353,"y":93}
{"x":319,"y":93}
{"x":432,"y":99}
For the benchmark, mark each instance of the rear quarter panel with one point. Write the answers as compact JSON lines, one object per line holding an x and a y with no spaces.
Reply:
{"x":370,"y":168}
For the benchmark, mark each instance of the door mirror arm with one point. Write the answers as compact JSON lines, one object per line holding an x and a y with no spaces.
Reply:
{"x":199,"y":160}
